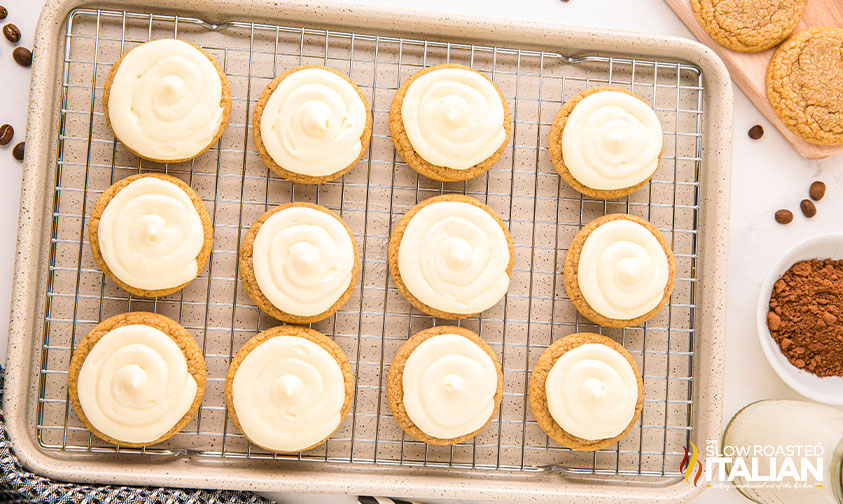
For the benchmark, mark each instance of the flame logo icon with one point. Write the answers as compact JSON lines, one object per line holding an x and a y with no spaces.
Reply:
{"x":687,"y":466}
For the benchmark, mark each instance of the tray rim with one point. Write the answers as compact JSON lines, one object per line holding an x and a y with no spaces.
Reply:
{"x":28,"y":283}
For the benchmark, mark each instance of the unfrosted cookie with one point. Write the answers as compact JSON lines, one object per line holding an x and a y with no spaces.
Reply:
{"x":451,"y":256}
{"x":150,"y":234}
{"x":805,"y":84}
{"x":166,"y":100}
{"x":748,"y":25}
{"x":311,"y":124}
{"x":289,"y":388}
{"x":449,"y":122}
{"x":606,"y":142}
{"x":619,"y":270}
{"x":444,"y":385}
{"x":136,"y":379}
{"x":586,"y":392}
{"x":299,"y":262}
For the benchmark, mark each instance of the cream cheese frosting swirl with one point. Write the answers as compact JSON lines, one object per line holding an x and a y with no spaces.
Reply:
{"x":454,"y":256}
{"x":288,"y":394}
{"x":150,"y":235}
{"x":453,"y":117}
{"x":134,"y":384}
{"x":449,"y":386}
{"x":592,"y":392}
{"x":312,"y":122}
{"x":303,"y":260}
{"x":612,"y":140}
{"x":623,"y":270}
{"x":165,"y":101}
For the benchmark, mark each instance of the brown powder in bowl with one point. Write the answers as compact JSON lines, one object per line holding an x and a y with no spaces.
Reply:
{"x":806,"y":316}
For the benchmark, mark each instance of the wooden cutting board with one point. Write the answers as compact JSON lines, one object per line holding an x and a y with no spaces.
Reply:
{"x":749,"y":70}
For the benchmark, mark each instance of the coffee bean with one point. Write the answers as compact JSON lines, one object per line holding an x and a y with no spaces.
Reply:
{"x":808,"y":208}
{"x":3,"y":12}
{"x":17,"y":152}
{"x":23,"y":56}
{"x":817,"y":190}
{"x":6,"y":134}
{"x":756,"y":132}
{"x":784,"y":216}
{"x":11,"y":32}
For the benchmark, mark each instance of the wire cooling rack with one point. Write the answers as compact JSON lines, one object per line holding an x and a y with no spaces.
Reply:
{"x":543,"y":215}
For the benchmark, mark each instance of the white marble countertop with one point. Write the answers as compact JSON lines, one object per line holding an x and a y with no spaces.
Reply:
{"x":767,"y":174}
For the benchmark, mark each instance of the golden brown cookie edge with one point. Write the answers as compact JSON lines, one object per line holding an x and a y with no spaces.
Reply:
{"x":572,"y":259}
{"x":705,"y":18}
{"x":555,"y":147}
{"x":365,"y":137}
{"x":398,"y":234}
{"x":106,"y":197}
{"x":538,"y":395}
{"x":225,"y":101}
{"x":190,"y":349}
{"x":395,"y":388}
{"x":405,"y":149}
{"x":776,"y":77}
{"x":250,"y":283}
{"x":301,"y":332}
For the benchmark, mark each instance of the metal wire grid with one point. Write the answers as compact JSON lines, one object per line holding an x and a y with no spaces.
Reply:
{"x":542,"y":213}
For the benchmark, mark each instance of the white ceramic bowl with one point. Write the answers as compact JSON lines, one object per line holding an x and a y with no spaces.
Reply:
{"x":826,"y":390}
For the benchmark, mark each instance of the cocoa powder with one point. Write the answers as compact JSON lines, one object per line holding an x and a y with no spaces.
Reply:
{"x":806,"y":316}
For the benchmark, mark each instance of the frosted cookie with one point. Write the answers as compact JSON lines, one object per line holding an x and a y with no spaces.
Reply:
{"x":311,"y":124}
{"x":451,"y":256}
{"x":606,"y":142}
{"x":449,"y":122}
{"x":805,"y":87}
{"x":150,"y":234}
{"x":166,"y":100}
{"x":136,"y":379}
{"x":289,"y":388}
{"x":299,"y":262}
{"x":619,"y":270}
{"x":444,"y":385}
{"x":748,"y":25}
{"x":586,"y":392}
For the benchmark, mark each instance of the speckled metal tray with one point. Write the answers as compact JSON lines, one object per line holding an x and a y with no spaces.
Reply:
{"x":60,"y":293}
